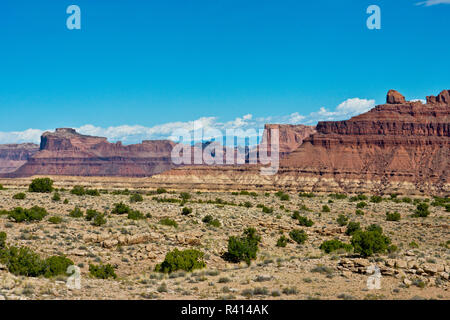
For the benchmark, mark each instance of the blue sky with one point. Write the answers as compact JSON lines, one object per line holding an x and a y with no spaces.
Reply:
{"x":138,"y":69}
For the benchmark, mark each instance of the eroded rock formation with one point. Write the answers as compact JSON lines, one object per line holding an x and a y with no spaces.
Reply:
{"x":13,"y":156}
{"x":66,"y":152}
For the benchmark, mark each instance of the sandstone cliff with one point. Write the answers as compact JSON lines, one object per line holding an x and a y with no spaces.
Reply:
{"x":66,"y":152}
{"x":12,"y":156}
{"x":400,"y":146}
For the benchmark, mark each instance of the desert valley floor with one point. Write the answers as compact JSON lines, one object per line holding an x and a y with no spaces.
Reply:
{"x":418,"y":269}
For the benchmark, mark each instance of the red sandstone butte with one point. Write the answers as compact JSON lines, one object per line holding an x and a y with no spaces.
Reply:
{"x":400,"y":141}
{"x":66,"y":152}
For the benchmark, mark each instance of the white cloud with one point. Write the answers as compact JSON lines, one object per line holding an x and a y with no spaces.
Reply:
{"x":429,"y":3}
{"x":129,"y":134}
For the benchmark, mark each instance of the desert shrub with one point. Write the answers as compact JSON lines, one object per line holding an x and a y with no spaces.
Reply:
{"x":76,"y":213}
{"x":394,"y":216}
{"x":121,"y":208}
{"x":376,"y":199}
{"x":19,"y":196}
{"x":359,"y":212}
{"x":267,"y":209}
{"x":1,"y":187}
{"x":66,"y":201}
{"x":78,"y":191}
{"x":413,"y":244}
{"x":359,"y":197}
{"x":55,"y":220}
{"x":186,"y":211}
{"x":187,"y":260}
{"x":92,"y":192}
{"x":33,"y":214}
{"x":208,"y":219}
{"x":99,"y":220}
{"x":352,"y":227}
{"x":282,"y":241}
{"x":247,"y":204}
{"x":136,"y":197}
{"x":371,"y":241}
{"x":406,"y":200}
{"x":168,"y":222}
{"x":304,"y":221}
{"x":361,"y":205}
{"x":375,"y":227}
{"x":447,"y":207}
{"x":161,"y":191}
{"x":136,"y":215}
{"x":337,"y":196}
{"x":342,"y":220}
{"x":56,"y":265}
{"x":306,"y":195}
{"x":102,"y":271}
{"x":41,"y":185}
{"x":325,"y":208}
{"x":56,"y":197}
{"x":185,"y":196}
{"x":244,"y":193}
{"x":2,"y":240}
{"x":421,"y":210}
{"x":284,"y":197}
{"x":243,"y":248}
{"x":333,"y":245}
{"x":90,"y":214}
{"x":298,"y":236}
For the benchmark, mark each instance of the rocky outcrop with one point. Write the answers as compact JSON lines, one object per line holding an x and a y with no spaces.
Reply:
{"x":399,"y":146}
{"x":66,"y":152}
{"x":291,"y":136}
{"x":13,"y":156}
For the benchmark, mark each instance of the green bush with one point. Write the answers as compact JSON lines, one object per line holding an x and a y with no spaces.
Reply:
{"x":19,"y":196}
{"x":359,"y":212}
{"x":169,"y":222}
{"x":406,"y":200}
{"x":342,"y":220}
{"x":421,"y":210}
{"x":361,"y":205}
{"x":395,"y":216}
{"x":121,"y":208}
{"x":333,"y":245}
{"x":282,"y":241}
{"x":376,"y":199}
{"x":78,"y":191}
{"x":248,"y":204}
{"x":306,"y":195}
{"x":267,"y":209}
{"x":99,"y":220}
{"x":102,"y":271}
{"x":56,"y":265}
{"x":187,"y":260}
{"x":161,"y":191}
{"x":76,"y":213}
{"x":92,"y":192}
{"x":359,"y":197}
{"x":136,"y":215}
{"x":186,"y":211}
{"x":2,"y":240}
{"x":33,"y":214}
{"x":298,"y":236}
{"x":352,"y":227}
{"x":136,"y":198}
{"x":243,"y":248}
{"x":1,"y":187}
{"x":369,"y":242}
{"x":55,"y":220}
{"x":91,"y":214}
{"x":325,"y":208}
{"x":337,"y":196}
{"x":41,"y":185}
{"x":304,"y":221}
{"x":208,"y":219}
{"x":185,"y":196}
{"x":56,"y":197}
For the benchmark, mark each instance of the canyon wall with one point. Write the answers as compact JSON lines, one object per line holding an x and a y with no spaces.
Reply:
{"x":13,"y":156}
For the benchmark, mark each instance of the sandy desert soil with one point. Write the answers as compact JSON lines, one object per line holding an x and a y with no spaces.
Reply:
{"x":291,"y":272}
